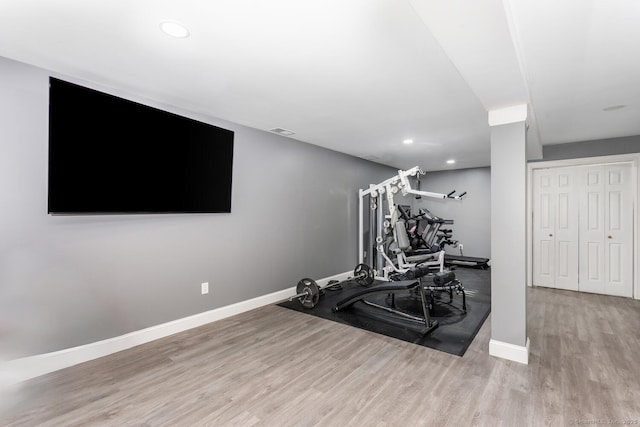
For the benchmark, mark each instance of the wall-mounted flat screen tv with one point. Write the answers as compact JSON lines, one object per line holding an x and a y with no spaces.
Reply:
{"x":108,"y":155}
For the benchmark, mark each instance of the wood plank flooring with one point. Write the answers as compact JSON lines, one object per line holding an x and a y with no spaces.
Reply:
{"x":277,"y":367}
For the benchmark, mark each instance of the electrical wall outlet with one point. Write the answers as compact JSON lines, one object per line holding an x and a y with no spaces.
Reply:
{"x":204,"y":288}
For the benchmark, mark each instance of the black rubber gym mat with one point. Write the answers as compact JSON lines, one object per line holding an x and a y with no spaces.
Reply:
{"x":455,"y":332}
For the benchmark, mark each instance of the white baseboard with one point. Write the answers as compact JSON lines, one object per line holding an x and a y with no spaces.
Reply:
{"x":516,"y":353}
{"x":15,"y":371}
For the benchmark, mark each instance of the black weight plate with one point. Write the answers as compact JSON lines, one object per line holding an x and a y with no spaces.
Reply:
{"x":366,"y":274}
{"x":310,"y":287}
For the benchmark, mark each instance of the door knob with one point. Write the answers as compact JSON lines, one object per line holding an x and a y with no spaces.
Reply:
{"x":609,"y":237}
{"x":550,"y":235}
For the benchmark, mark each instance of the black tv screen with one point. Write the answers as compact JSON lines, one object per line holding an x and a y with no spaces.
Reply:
{"x":108,"y":155}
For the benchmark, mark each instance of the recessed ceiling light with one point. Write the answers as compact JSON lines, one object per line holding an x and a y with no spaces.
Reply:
{"x":408,"y":141}
{"x":450,"y":161}
{"x":613,"y":107}
{"x":174,"y":29}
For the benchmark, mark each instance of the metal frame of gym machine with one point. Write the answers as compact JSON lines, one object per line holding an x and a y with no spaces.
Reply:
{"x":378,"y":222}
{"x":381,"y":226}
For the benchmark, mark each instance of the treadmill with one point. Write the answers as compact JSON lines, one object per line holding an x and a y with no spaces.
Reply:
{"x":466,"y":261}
{"x":461,"y":260}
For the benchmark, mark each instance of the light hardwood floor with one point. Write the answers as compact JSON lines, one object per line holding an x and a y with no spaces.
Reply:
{"x":277,"y":367}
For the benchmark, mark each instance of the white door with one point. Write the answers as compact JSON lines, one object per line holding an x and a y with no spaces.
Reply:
{"x":606,"y":230}
{"x":543,"y":228}
{"x":566,"y":236}
{"x":555,"y":231}
{"x":592,"y":230}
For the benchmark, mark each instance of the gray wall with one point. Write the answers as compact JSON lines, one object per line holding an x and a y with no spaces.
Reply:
{"x":508,"y":234}
{"x":601,"y":147}
{"x":472,"y":214}
{"x":72,"y":280}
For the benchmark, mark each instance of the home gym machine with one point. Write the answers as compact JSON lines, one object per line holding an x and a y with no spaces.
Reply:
{"x":388,"y":237}
{"x":387,"y":234}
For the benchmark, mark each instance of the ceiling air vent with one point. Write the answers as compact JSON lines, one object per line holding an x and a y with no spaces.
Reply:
{"x":283,"y":132}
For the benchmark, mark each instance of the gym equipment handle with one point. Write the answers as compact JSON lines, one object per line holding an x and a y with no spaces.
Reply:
{"x":452,"y":195}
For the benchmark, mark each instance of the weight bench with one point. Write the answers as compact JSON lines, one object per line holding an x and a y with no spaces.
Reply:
{"x":444,"y":281}
{"x":449,"y":287}
{"x":392,"y":288}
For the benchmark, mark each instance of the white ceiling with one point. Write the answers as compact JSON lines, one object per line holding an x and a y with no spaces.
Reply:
{"x":356,"y":76}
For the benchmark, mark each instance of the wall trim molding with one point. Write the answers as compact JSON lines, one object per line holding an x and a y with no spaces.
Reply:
{"x":504,"y":350}
{"x":633,"y":158}
{"x":15,"y":371}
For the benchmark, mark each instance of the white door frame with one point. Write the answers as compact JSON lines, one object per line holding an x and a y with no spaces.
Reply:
{"x":633,"y":158}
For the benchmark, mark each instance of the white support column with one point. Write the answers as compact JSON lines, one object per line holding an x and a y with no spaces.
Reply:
{"x":508,"y":234}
